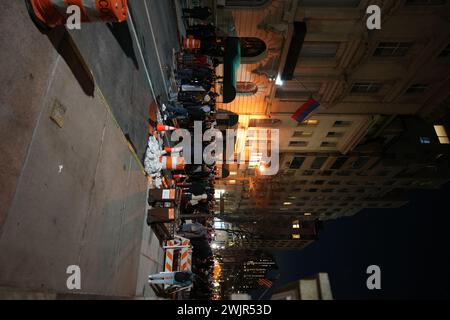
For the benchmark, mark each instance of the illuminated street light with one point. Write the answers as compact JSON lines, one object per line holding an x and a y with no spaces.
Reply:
{"x":278,"y":81}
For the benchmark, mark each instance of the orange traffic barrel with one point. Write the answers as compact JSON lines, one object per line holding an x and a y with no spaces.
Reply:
{"x":53,"y":13}
{"x":191,"y":43}
{"x":172,"y":163}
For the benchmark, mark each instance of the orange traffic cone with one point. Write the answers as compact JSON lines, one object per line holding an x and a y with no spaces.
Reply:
{"x":170,"y":150}
{"x":53,"y":13}
{"x":162,"y":127}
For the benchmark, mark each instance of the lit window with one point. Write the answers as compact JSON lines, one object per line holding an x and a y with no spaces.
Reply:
{"x":233,"y":173}
{"x":295,"y":236}
{"x":307,"y":214}
{"x":300,"y":134}
{"x":296,"y":224}
{"x":310,"y":122}
{"x":442,"y":134}
{"x":246,"y":88}
{"x":287,"y":203}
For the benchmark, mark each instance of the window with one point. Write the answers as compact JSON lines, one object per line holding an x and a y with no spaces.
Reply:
{"x":366,"y":87}
{"x":298,"y":144}
{"x":295,"y":236}
{"x":335,"y":134}
{"x":302,"y":134}
{"x":392,"y":49}
{"x":442,"y":134}
{"x":425,"y":140}
{"x":245,"y":88}
{"x":339,"y":163}
{"x":318,"y":162}
{"x":339,"y":124}
{"x":319,"y":49}
{"x":361,"y":162}
{"x":309,"y":123}
{"x":445,"y":53}
{"x":328,"y":144}
{"x":425,"y":2}
{"x":417,"y":88}
{"x":296,"y":224}
{"x":297,"y":162}
{"x":252,"y":47}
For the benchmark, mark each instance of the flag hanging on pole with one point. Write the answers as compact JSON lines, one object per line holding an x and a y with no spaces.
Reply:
{"x":265,"y":283}
{"x":305,"y":110}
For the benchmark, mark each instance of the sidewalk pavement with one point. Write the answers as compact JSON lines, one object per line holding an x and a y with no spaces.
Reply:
{"x":72,"y":192}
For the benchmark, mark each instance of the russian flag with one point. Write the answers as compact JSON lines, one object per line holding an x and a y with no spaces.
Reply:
{"x":305,"y":110}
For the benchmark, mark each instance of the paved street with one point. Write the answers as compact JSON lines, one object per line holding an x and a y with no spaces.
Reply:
{"x":75,"y":194}
{"x":129,"y":71}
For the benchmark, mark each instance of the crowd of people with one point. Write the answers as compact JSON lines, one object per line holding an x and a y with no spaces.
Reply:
{"x":196,"y":101}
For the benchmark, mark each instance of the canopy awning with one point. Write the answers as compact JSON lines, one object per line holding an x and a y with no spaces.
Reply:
{"x":231,"y":63}
{"x":294,"y":50}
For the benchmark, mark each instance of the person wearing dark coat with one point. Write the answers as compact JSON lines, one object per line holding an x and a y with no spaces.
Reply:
{"x":201,"y":13}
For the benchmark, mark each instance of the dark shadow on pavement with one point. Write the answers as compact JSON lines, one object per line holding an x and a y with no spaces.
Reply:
{"x":65,"y":46}
{"x":121,"y":32}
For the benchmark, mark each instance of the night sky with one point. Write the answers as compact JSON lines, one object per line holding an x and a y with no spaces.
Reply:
{"x":409,"y":244}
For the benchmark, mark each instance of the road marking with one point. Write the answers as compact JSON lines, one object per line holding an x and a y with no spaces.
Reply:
{"x":156,"y":46}
{"x":147,"y":74}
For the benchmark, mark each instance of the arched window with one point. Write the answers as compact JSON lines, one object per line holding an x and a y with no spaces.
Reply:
{"x":246,"y":88}
{"x":252,"y":47}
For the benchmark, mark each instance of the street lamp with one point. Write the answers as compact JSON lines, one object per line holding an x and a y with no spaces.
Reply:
{"x":279,"y":81}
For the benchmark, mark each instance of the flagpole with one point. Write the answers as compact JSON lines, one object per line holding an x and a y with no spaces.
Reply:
{"x":263,"y":293}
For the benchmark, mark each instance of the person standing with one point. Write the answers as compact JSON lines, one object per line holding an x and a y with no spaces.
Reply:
{"x":201,"y":13}
{"x":182,"y":279}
